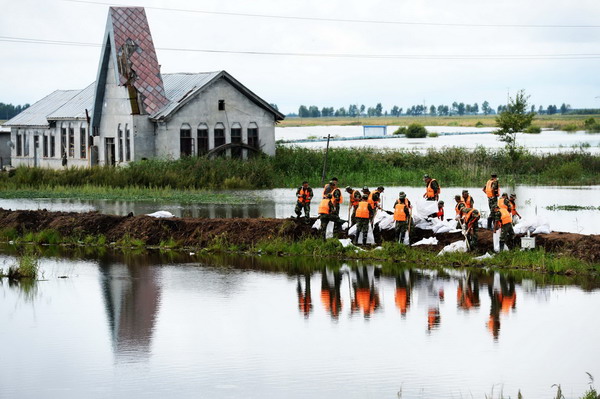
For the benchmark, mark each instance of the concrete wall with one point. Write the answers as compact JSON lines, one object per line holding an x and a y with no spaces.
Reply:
{"x":203,"y":109}
{"x":32,"y":156}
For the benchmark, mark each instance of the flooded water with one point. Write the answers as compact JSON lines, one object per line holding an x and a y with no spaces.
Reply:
{"x":230,"y":327}
{"x":279,"y":203}
{"x":468,"y":137}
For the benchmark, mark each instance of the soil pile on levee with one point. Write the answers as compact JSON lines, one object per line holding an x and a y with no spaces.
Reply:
{"x":246,"y":231}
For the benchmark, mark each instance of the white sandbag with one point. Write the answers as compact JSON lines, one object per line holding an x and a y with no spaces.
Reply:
{"x":329,"y":230}
{"x":161,"y":214}
{"x":425,"y":208}
{"x":486,"y":256}
{"x":426,"y":241}
{"x":345,"y":226}
{"x":423,"y":224}
{"x":386,"y":222}
{"x":317,"y":224}
{"x":458,"y":246}
{"x":406,"y":239}
{"x":443,"y":229}
{"x":352,"y":230}
{"x":496,"y":240}
{"x":370,"y":236}
{"x":543,"y":229}
{"x":346,"y":242}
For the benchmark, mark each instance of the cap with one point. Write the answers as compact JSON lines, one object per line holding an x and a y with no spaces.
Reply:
{"x":426,"y":176}
{"x":348,"y":188}
{"x":365,"y":188}
{"x":494,"y":175}
{"x":334,"y":179}
{"x":457,"y":198}
{"x":304,"y":182}
{"x":380,"y":188}
{"x":441,"y":203}
{"x":465,"y":191}
{"x":504,"y":195}
{"x":365,"y":196}
{"x":402,"y":194}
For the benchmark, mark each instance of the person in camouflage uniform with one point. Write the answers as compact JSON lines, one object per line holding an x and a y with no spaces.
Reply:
{"x":470,"y":221}
{"x":503,"y":221}
{"x":304,"y":195}
{"x":364,"y":212}
{"x":492,"y":190}
{"x":355,"y":198}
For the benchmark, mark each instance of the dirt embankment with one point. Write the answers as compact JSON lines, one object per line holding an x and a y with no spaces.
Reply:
{"x":200,"y":232}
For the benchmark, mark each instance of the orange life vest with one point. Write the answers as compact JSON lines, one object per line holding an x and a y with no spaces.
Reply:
{"x":501,"y":203}
{"x":324,"y":206}
{"x":458,"y":210}
{"x":335,"y":200}
{"x":371,"y":201}
{"x":353,"y":200}
{"x":513,"y":206}
{"x":430,"y":193}
{"x":304,"y":196}
{"x":399,"y":214}
{"x":489,"y":191}
{"x":363,"y":210}
{"x":468,"y":202}
{"x":506,"y":217}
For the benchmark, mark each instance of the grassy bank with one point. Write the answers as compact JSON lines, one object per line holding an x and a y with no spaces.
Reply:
{"x":397,"y":255}
{"x":557,"y":121}
{"x":157,"y":179}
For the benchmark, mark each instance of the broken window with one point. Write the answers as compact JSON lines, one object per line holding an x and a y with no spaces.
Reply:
{"x":82,"y":142}
{"x":236,"y":138}
{"x":26,"y":144}
{"x":202,"y":139}
{"x":52,"y":146}
{"x":71,"y":141}
{"x":63,"y":141}
{"x":221,"y":105}
{"x":253,"y":135}
{"x":127,"y":143}
{"x":120,"y":142}
{"x":45,"y":146}
{"x":219,"y":135}
{"x":186,"y":142}
{"x":19,"y":145}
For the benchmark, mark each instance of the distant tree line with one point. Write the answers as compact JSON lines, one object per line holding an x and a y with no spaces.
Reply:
{"x":8,"y":111}
{"x":456,"y":108}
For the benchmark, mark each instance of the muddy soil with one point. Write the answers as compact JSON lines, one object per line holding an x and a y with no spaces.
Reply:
{"x":247,"y":231}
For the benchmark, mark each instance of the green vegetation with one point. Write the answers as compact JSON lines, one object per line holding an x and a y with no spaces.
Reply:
{"x":433,"y":134}
{"x":416,"y":131}
{"x":512,"y":120}
{"x":401,"y":130}
{"x":591,"y":126}
{"x":26,"y":268}
{"x":571,"y":127}
{"x":533,"y":130}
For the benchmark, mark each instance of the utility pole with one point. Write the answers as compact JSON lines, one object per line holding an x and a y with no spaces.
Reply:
{"x":325,"y":160}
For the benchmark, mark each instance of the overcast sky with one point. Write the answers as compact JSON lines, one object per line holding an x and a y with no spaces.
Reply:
{"x":28,"y":72}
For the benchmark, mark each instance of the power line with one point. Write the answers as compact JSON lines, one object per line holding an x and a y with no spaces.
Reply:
{"x":330,"y":55}
{"x":361,"y":21}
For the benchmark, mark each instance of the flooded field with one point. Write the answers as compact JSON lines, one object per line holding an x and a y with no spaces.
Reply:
{"x":178,"y":325}
{"x":469,"y":137}
{"x":279,"y":203}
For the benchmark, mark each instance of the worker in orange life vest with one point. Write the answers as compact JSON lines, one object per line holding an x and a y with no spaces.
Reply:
{"x":513,"y":205}
{"x":433,"y":189}
{"x":503,"y":221}
{"x":336,"y":195}
{"x":304,"y":195}
{"x":401,"y":216}
{"x":440,"y":213}
{"x":492,"y":191}
{"x":326,"y":213}
{"x":503,"y":201}
{"x":364,"y":212}
{"x":375,"y":199}
{"x":355,"y":198}
{"x":470,"y":221}
{"x":467,"y":199}
{"x":459,"y":200}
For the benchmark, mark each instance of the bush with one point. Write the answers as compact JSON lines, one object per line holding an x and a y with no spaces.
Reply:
{"x":570,"y":127}
{"x":533,"y":130}
{"x":400,"y":130}
{"x":479,"y":124}
{"x":433,"y":134}
{"x":591,"y":126}
{"x":416,"y":131}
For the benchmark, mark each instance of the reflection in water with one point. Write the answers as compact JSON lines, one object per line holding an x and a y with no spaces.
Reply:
{"x":331,"y":283}
{"x":131,"y":296}
{"x":403,"y":291}
{"x":503,"y":299}
{"x":304,"y":297}
{"x":467,"y":292}
{"x":366,"y":295}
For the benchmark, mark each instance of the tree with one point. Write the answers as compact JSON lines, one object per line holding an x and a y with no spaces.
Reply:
{"x":432,"y":110}
{"x":564,"y":108}
{"x":512,"y":120}
{"x":378,"y":109}
{"x":314,"y":112}
{"x":475,"y":108}
{"x":362,"y":109}
{"x":461,"y":109}
{"x":274,"y":106}
{"x":394,"y":111}
{"x":352,"y":110}
{"x":485,"y":107}
{"x":551,"y":110}
{"x":303,"y":112}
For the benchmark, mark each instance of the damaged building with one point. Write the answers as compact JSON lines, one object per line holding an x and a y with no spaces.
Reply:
{"x":133,"y":111}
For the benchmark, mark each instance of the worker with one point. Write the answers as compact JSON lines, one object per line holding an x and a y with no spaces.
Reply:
{"x":459,"y":200}
{"x":470,"y":222}
{"x":375,"y":198}
{"x":503,"y":201}
{"x":440,"y":212}
{"x":365,"y":190}
{"x":336,"y":199}
{"x":355,"y":198}
{"x":364,"y":212}
{"x":326,"y":213}
{"x":433,"y":189}
{"x":330,"y":186}
{"x":503,"y":221}
{"x":492,"y":190}
{"x":402,"y":198}
{"x":401,"y":216}
{"x":513,"y":205}
{"x":304,"y":195}
{"x":468,"y":200}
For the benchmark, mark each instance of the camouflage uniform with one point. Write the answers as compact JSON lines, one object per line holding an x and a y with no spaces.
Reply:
{"x":507,"y":234}
{"x":300,"y":206}
{"x":471,"y":225}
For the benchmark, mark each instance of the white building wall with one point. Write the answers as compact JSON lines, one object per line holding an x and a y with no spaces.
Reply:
{"x":203,"y":109}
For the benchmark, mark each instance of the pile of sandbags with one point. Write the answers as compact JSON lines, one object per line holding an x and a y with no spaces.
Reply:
{"x":534,"y":225}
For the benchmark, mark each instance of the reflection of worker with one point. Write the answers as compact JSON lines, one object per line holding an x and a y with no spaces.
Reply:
{"x":364,"y":212}
{"x":401,"y":216}
{"x":403,"y":292}
{"x":503,"y":221}
{"x":355,"y":198}
{"x":366,"y":297}
{"x":304,"y":195}
{"x":304,"y":299}
{"x":503,"y":298}
{"x":467,"y":293}
{"x":433,"y":189}
{"x":492,"y":191}
{"x":331,"y":282}
{"x":470,"y":221}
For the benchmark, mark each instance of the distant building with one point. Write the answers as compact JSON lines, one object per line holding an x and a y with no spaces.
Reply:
{"x":132,"y":111}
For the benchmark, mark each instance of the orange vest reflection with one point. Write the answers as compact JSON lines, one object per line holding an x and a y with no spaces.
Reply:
{"x":330,"y":292}
{"x":503,"y":298}
{"x":366,"y":297}
{"x":304,"y":299}
{"x":403,"y":291}
{"x":467,"y":294}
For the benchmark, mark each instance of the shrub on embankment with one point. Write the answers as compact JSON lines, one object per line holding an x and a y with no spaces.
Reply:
{"x":357,"y":167}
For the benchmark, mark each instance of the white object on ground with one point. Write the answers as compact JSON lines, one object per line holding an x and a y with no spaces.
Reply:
{"x":346,"y":242}
{"x":496,"y":240}
{"x":426,"y":241}
{"x":486,"y":256}
{"x":161,"y":214}
{"x":406,"y":239}
{"x":329,"y":230}
{"x":385,"y":221}
{"x":345,"y":226}
{"x":534,"y":225}
{"x":370,"y":237}
{"x":317,"y":224}
{"x":458,"y":246}
{"x":424,"y":208}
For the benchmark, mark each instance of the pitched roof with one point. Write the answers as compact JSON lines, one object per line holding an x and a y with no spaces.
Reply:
{"x":36,"y":114}
{"x":135,"y":55}
{"x":76,"y":106}
{"x":181,"y":87}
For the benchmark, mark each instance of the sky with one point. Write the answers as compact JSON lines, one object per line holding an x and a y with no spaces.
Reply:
{"x":428,"y":51}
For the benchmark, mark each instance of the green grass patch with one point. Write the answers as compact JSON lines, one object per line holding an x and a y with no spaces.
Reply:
{"x":27,"y":267}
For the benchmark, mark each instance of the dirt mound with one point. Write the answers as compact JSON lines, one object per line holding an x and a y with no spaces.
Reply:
{"x":246,"y":231}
